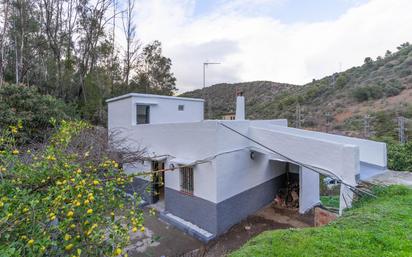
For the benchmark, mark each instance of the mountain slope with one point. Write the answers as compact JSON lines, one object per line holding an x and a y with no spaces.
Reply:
{"x":381,"y":88}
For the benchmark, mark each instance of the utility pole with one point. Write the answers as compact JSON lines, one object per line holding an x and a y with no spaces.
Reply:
{"x":209,"y":107}
{"x":401,"y":129}
{"x":366,"y":126}
{"x":298,"y":116}
{"x":328,"y":121}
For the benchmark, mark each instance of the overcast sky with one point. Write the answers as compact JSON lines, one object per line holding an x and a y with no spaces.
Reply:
{"x":290,"y":41}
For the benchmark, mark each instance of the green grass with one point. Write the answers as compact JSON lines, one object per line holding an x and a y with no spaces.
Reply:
{"x":330,"y":201}
{"x":374,"y":227}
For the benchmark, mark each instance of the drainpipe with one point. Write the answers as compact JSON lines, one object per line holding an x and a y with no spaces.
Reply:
{"x":240,"y":106}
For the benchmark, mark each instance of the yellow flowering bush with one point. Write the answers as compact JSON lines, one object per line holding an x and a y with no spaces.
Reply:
{"x":52,"y":204}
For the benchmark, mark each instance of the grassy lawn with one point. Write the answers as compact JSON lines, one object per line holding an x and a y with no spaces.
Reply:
{"x":330,"y":201}
{"x":374,"y":227}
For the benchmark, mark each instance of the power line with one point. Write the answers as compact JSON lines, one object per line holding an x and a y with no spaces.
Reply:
{"x":366,"y":126}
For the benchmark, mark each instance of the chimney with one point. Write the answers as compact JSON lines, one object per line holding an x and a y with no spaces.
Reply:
{"x":240,"y":106}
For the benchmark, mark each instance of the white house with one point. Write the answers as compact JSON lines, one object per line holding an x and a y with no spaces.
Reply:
{"x":221,"y":171}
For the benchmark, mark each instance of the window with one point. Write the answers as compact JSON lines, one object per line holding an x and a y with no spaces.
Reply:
{"x":181,"y":107}
{"x":142,"y":114}
{"x":186,"y":180}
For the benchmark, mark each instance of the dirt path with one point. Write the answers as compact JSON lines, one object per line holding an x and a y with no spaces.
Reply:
{"x":269,"y":218}
{"x":392,"y":178}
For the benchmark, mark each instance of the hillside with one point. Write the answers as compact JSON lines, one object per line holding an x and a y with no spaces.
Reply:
{"x":220,"y":98}
{"x":380,"y":88}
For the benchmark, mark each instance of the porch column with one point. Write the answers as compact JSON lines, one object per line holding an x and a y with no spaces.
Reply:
{"x":308,"y":189}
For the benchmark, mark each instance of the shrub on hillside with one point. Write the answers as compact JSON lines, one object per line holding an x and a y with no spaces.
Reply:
{"x":377,"y":90}
{"x":368,"y":92}
{"x":400,"y":156}
{"x":19,"y":103}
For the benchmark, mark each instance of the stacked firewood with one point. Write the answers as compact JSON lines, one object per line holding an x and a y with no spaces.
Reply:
{"x":289,"y":196}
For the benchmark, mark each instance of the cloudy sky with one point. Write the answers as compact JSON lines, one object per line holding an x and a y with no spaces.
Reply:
{"x":290,"y":41}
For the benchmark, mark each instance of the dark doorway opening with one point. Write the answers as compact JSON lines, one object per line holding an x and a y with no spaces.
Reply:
{"x":158,"y":180}
{"x":288,"y":194}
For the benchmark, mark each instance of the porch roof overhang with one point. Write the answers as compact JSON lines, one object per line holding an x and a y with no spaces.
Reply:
{"x":185,"y":162}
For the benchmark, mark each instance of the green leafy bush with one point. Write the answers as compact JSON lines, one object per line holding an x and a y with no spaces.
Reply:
{"x":59,"y":201}
{"x":377,"y":90}
{"x":400,"y":156}
{"x":368,"y":92}
{"x":26,"y":104}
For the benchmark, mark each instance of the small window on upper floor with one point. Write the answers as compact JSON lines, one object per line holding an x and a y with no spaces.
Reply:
{"x":142,"y":114}
{"x":181,"y":107}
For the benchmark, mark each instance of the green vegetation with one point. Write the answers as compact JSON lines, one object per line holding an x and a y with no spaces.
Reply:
{"x":32,"y":109}
{"x":400,"y":156}
{"x":374,"y":227}
{"x":330,"y":201}
{"x":61,"y":200}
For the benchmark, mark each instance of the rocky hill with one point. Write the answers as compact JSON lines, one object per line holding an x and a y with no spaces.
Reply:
{"x":370,"y":96}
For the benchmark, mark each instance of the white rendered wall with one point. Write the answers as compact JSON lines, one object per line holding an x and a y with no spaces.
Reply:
{"x":122,"y":112}
{"x":144,"y":166}
{"x":369,"y":151}
{"x":166,"y":110}
{"x":341,"y":159}
{"x":119,"y":113}
{"x":237,"y":172}
{"x":190,"y":141}
{"x":309,"y":189}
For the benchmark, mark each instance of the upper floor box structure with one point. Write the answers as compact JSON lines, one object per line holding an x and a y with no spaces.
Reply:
{"x":139,"y":109}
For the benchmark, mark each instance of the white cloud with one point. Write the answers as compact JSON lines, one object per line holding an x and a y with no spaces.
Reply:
{"x":253,"y":47}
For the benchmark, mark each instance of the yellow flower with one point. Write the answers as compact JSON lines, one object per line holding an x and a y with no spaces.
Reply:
{"x":96,"y":182}
{"x":1,"y":204}
{"x":86,"y":202}
{"x":112,"y":213}
{"x":72,"y":226}
{"x":67,"y":237}
{"x":142,"y":229}
{"x":118,"y":251}
{"x":78,"y":171}
{"x":15,"y":152}
{"x":30,"y":242}
{"x":51,"y":158}
{"x":89,"y":211}
{"x":70,"y":214}
{"x":134,"y":229}
{"x":68,"y":247}
{"x":23,"y":237}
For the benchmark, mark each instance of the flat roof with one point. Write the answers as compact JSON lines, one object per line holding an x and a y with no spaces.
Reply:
{"x":153,"y":96}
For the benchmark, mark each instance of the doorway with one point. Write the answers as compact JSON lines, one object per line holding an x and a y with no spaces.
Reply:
{"x":158,"y":181}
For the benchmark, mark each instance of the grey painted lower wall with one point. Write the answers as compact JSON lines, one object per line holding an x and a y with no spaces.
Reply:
{"x":238,"y":207}
{"x":218,"y":218}
{"x":196,"y":210}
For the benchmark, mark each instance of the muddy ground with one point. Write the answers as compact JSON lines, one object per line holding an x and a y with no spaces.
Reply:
{"x":161,"y":239}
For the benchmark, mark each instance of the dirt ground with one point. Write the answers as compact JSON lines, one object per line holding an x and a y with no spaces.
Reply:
{"x":161,"y":239}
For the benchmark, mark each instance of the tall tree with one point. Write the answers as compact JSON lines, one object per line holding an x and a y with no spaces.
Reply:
{"x":5,"y":12}
{"x":156,"y":70}
{"x":132,"y":45}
